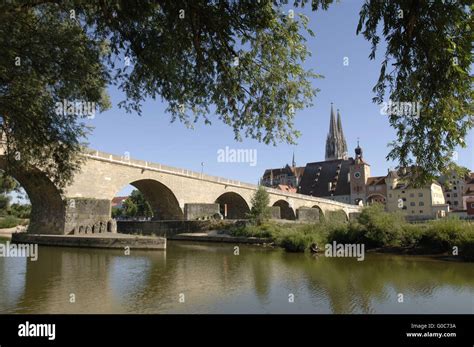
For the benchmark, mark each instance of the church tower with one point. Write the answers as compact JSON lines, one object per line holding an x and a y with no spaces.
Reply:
{"x":359,"y":174}
{"x":336,"y":147}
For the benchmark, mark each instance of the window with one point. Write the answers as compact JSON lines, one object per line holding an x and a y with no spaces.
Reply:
{"x":454,"y":188}
{"x":448,"y":195}
{"x":472,"y":205}
{"x":403,"y":192}
{"x":421,"y":211}
{"x":455,"y":195}
{"x":412,"y":195}
{"x":456,"y":203}
{"x":404,"y":199}
{"x":421,"y":203}
{"x":420,"y":195}
{"x":412,"y":203}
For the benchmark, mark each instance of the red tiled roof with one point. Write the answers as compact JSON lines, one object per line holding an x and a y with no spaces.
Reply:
{"x":118,"y":200}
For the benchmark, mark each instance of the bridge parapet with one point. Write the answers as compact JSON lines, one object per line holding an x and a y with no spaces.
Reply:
{"x":146,"y":165}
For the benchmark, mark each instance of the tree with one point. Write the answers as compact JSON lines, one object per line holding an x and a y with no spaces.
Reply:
{"x":427,"y":60}
{"x":20,"y":210}
{"x":240,"y":60}
{"x":117,"y":212}
{"x":143,"y":207}
{"x":260,"y":211}
{"x":7,"y":185}
{"x":130,"y":208}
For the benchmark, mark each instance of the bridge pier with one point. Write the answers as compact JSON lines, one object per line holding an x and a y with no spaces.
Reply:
{"x":88,"y":216}
{"x":307,"y":214}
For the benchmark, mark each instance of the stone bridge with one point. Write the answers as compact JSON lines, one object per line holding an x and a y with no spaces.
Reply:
{"x":85,"y":205}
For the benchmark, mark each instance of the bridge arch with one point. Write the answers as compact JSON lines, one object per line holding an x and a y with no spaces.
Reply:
{"x":286,"y":211}
{"x":48,"y":208}
{"x":233,"y":206}
{"x":163,"y":202}
{"x":322,"y":215}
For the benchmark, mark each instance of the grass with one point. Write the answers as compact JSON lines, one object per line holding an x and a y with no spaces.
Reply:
{"x":375,"y":228}
{"x":11,"y":222}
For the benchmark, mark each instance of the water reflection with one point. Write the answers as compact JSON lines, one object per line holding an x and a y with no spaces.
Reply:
{"x":214,"y":280}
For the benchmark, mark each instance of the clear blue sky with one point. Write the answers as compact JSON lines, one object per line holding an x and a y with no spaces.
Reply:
{"x":152,"y":137}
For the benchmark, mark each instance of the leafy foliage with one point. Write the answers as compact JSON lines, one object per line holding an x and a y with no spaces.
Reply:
{"x":143,"y":207}
{"x":241,"y":61}
{"x":260,"y":211}
{"x":134,"y":206}
{"x":427,"y":60}
{"x":46,"y":58}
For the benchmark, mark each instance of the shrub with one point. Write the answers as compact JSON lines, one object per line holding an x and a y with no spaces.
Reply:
{"x":381,"y":228}
{"x":412,"y":234}
{"x":466,"y":247}
{"x":250,"y":230}
{"x":20,"y":210}
{"x":346,"y":233}
{"x":294,"y":241}
{"x":444,"y":234}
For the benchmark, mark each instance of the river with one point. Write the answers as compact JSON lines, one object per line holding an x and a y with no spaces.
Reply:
{"x":210,"y":278}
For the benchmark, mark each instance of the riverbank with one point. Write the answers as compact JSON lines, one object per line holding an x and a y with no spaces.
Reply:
{"x":6,"y":233}
{"x":376,"y":230}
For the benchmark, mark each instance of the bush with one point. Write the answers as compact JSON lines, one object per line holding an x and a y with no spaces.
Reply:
{"x":10,"y":222}
{"x":381,"y":228}
{"x":346,"y":233}
{"x":266,"y":230}
{"x":444,"y":234}
{"x":20,"y":211}
{"x":293,"y":241}
{"x":374,"y":227}
{"x":466,"y":247}
{"x":412,"y":234}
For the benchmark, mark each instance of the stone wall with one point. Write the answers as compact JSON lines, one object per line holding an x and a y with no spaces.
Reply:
{"x":88,"y":216}
{"x":307,"y":214}
{"x":353,"y":216}
{"x":275,"y":212}
{"x":195,"y":211}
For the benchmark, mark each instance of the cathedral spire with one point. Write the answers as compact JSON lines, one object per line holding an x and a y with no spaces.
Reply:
{"x":341,"y":135}
{"x":336,"y":147}
{"x":293,"y":163}
{"x":332,"y":122}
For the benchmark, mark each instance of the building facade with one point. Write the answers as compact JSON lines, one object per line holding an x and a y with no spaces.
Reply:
{"x":348,"y":180}
{"x":415,"y":202}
